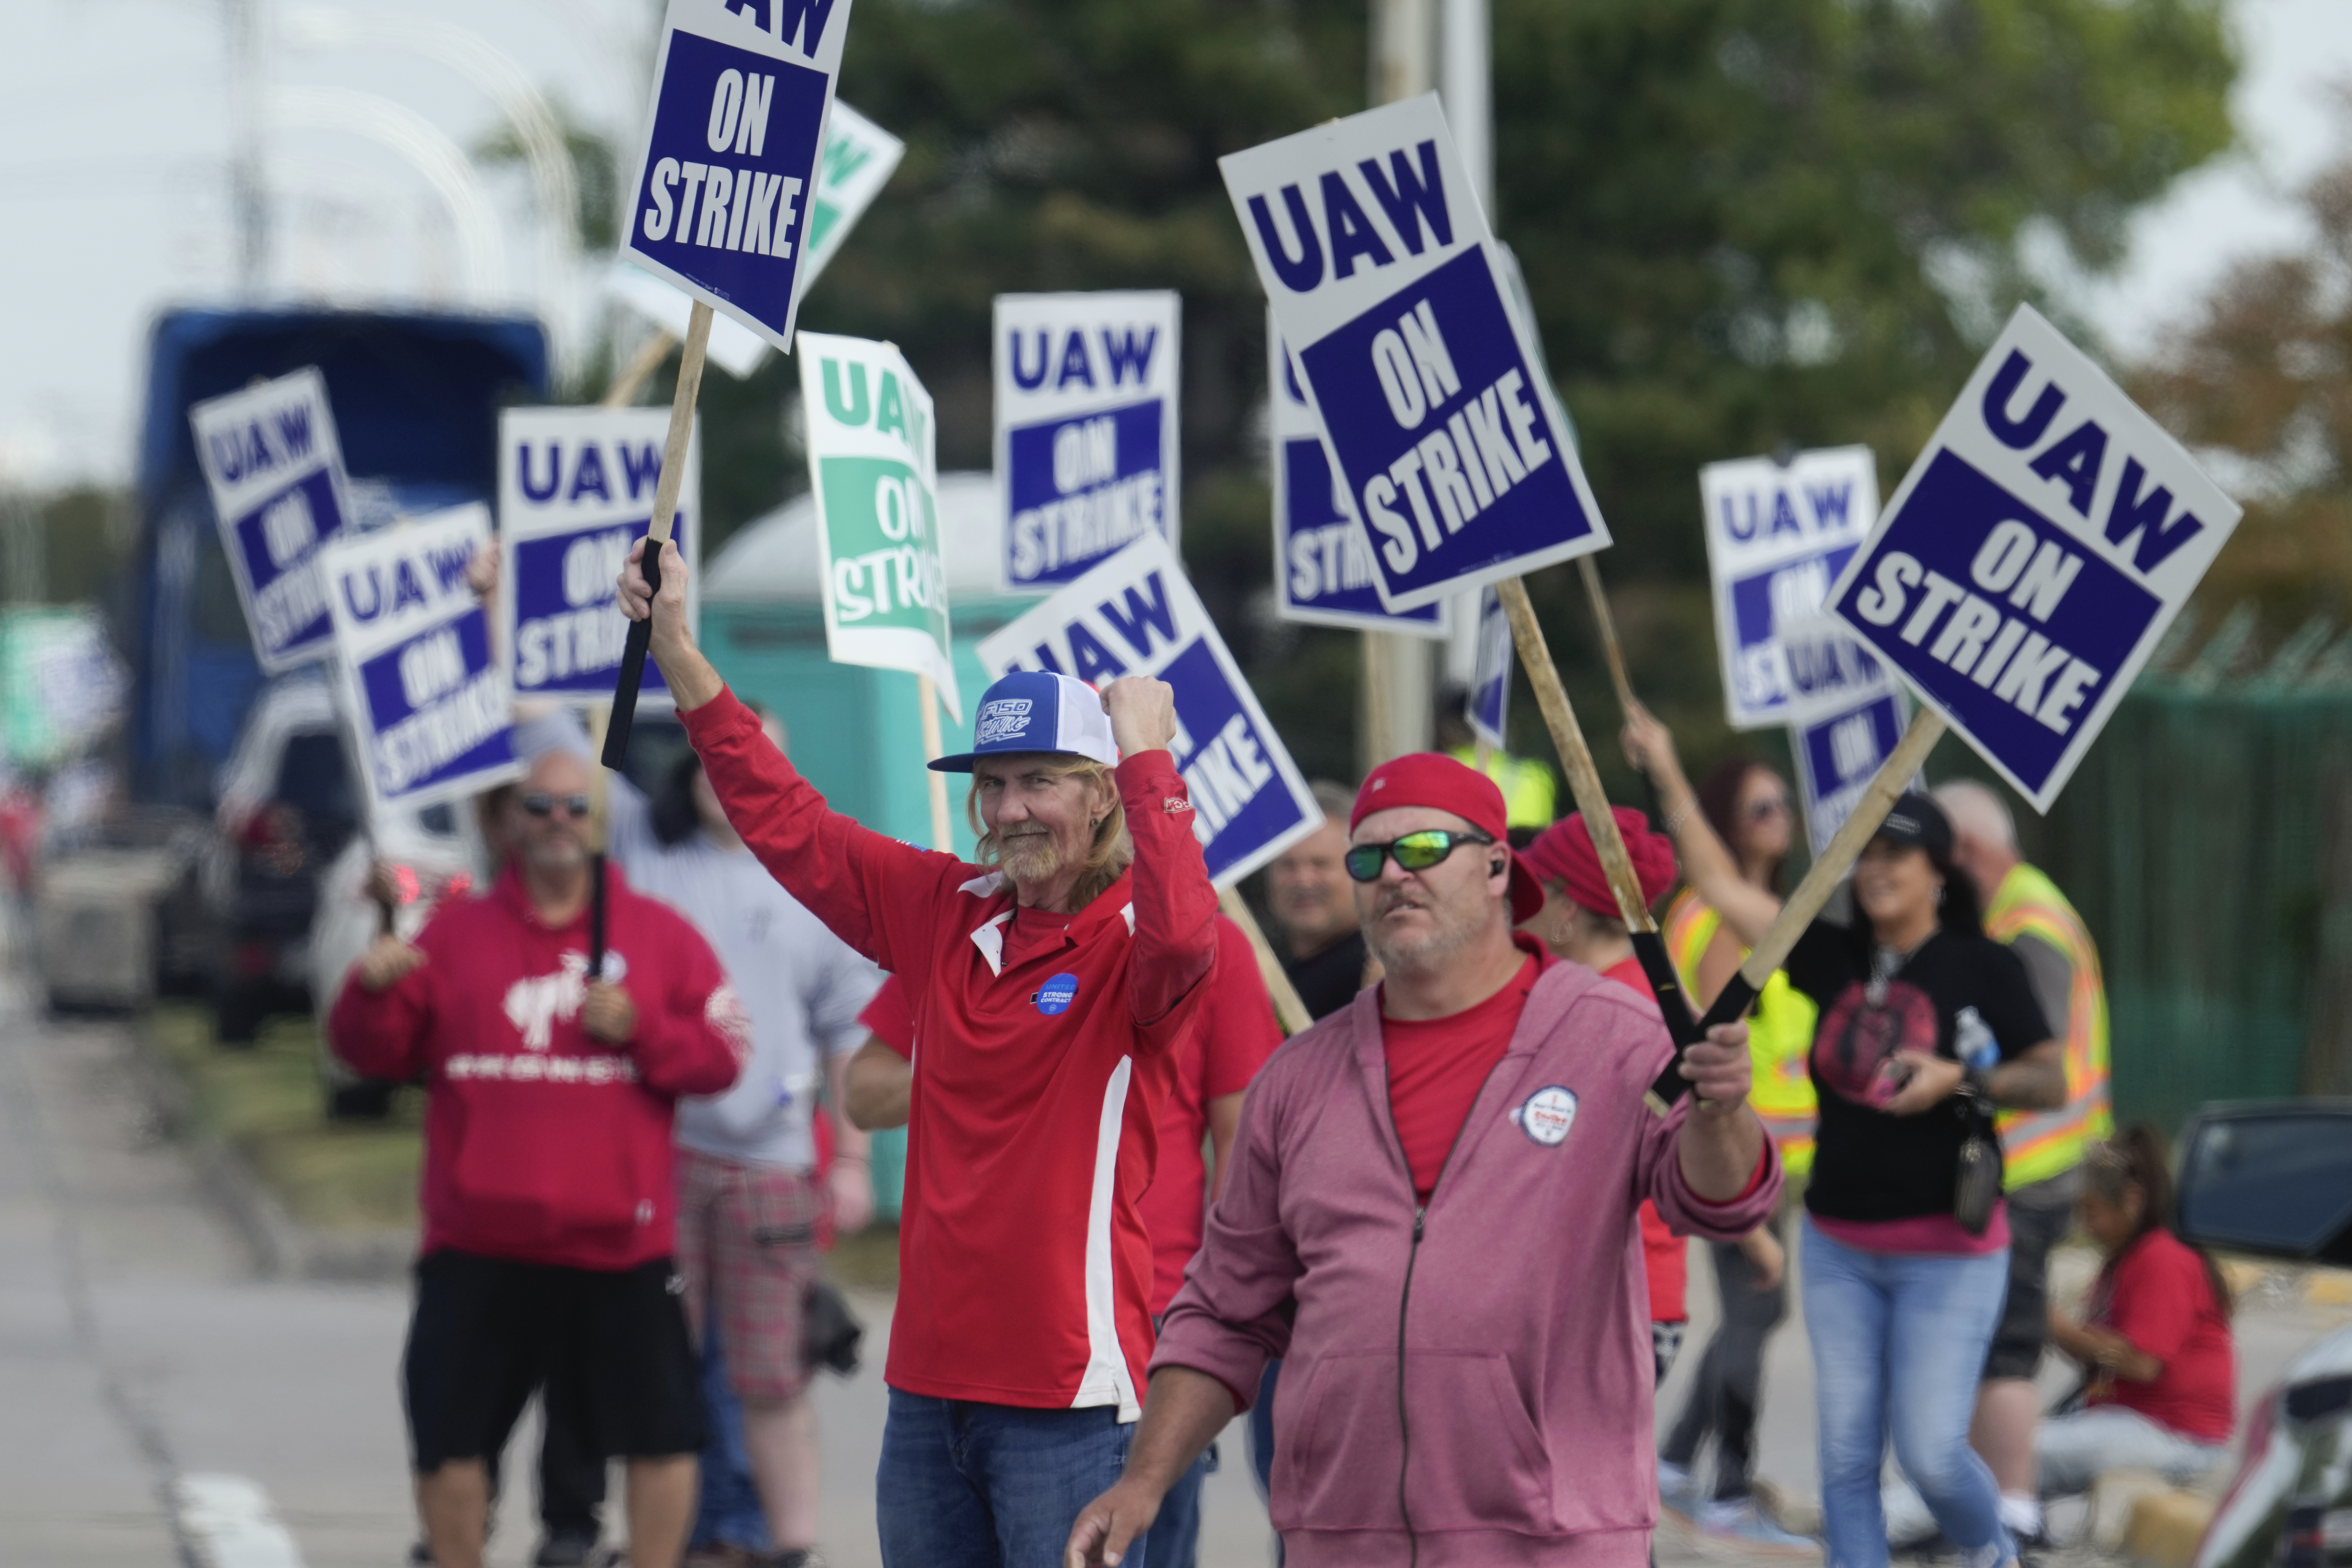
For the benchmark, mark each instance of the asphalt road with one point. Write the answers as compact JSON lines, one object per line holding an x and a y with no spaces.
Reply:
{"x":165,"y":1406}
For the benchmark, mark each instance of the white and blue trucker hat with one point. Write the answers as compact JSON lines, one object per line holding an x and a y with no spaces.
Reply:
{"x":1037,"y":710}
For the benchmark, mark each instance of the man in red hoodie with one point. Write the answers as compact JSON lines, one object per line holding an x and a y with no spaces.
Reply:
{"x":1430,"y":1217}
{"x":548,"y":1195}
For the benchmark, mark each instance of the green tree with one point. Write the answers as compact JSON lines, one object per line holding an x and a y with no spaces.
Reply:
{"x":1743,"y":222}
{"x":2256,"y":376}
{"x":1752,"y":224}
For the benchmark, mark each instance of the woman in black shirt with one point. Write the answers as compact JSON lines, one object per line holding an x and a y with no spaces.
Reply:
{"x":1925,"y":1025}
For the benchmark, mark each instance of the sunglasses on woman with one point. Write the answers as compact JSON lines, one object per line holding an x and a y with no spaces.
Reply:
{"x":540,"y":805}
{"x":1413,"y":852}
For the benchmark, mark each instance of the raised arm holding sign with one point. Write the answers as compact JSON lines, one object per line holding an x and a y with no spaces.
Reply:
{"x":2048,"y":524}
{"x":1385,"y":283}
{"x":730,"y":154}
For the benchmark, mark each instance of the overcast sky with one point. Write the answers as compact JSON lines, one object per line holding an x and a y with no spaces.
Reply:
{"x":116,"y":202}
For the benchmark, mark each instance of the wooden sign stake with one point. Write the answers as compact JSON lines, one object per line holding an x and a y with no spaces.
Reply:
{"x":673,"y":478}
{"x":1592,"y":800}
{"x":642,"y":364}
{"x":1894,"y":776}
{"x":1289,"y":1009}
{"x":927,"y":692}
{"x":1610,"y":650}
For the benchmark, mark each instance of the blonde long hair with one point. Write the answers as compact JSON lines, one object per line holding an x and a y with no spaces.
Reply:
{"x":1107,"y":856}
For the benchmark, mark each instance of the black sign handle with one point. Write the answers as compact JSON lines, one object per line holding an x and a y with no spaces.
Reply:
{"x":633,"y":671}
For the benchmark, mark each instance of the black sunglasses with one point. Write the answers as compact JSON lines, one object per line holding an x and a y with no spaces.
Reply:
{"x":540,"y":805}
{"x":1414,"y":851}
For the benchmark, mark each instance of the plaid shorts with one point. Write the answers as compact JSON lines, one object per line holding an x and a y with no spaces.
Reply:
{"x":747,"y":1239}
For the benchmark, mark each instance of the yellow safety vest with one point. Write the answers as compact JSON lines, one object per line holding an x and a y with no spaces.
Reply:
{"x":1529,"y":793}
{"x":2037,"y":1145}
{"x":1780,"y":1035}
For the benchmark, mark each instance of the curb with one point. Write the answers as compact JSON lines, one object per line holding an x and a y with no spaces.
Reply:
{"x":282,"y":1246}
{"x":2303,"y":1284}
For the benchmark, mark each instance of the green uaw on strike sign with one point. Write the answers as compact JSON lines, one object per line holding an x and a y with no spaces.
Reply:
{"x":874,"y":472}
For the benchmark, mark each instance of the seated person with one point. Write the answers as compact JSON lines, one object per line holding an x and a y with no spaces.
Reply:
{"x":2155,"y":1341}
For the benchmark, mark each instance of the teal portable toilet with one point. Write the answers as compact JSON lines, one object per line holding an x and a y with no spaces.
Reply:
{"x":855,"y":732}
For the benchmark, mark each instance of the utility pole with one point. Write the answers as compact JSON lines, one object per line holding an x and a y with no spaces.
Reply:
{"x":28,"y":556}
{"x":1466,"y":86}
{"x":248,"y":199}
{"x":1398,"y":686}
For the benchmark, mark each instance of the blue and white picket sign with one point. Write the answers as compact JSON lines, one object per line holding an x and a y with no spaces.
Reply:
{"x":859,"y":156}
{"x":275,"y":468}
{"x":1776,"y":537}
{"x":1845,"y":711}
{"x":576,"y":491}
{"x":1086,"y":389}
{"x":432,"y":711}
{"x":1136,"y":614}
{"x":1838,"y":753}
{"x":1322,"y":563}
{"x":2034,"y":555}
{"x":1489,"y":705}
{"x":729,"y":157}
{"x":1383,"y":275}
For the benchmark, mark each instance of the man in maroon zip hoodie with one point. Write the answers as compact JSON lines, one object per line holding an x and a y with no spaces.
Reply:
{"x":1431,"y":1215}
{"x":548,"y":1193}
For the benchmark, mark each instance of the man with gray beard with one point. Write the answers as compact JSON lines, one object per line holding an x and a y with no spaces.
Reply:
{"x":1430,"y":1214}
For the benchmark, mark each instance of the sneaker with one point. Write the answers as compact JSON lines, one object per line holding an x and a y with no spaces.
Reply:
{"x":565,"y":1551}
{"x":1741,"y":1520}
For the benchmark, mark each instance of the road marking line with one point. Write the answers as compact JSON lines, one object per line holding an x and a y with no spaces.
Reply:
{"x":230,"y":1521}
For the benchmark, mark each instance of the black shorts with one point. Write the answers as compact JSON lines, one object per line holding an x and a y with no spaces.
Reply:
{"x":489,"y":1330}
{"x":2040,"y":1216}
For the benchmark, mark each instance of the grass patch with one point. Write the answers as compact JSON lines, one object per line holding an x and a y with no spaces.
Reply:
{"x":268,"y":1105}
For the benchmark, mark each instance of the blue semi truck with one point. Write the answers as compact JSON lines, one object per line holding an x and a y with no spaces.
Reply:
{"x":255,"y":766}
{"x":416,"y":400}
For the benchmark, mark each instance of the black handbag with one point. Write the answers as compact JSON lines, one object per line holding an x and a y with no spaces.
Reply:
{"x":831,"y":1332}
{"x":1976,"y":1186}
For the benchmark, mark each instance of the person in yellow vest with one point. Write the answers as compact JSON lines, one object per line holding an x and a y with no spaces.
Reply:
{"x":2042,"y":1152}
{"x":1531,"y":793}
{"x":1747,"y":805}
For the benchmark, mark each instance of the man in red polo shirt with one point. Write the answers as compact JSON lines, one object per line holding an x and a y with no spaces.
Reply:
{"x":1050,"y":987}
{"x":1203,"y":1108}
{"x":1431,"y":1215}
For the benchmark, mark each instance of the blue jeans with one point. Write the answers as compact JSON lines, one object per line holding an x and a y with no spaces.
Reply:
{"x":966,"y":1485}
{"x":730,"y":1509}
{"x":1175,"y":1535}
{"x":1898,"y":1345}
{"x":1261,"y":1441}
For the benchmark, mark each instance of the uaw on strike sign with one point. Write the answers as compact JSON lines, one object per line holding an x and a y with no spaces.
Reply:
{"x":730,"y":159}
{"x":1377,"y":260}
{"x":431,"y":709}
{"x":1322,"y":566}
{"x":1776,"y":537}
{"x":2034,"y":554}
{"x":276,"y":472}
{"x":1136,"y":614}
{"x":1086,"y":388}
{"x":874,"y":472}
{"x":576,"y":491}
{"x":1845,"y":713}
